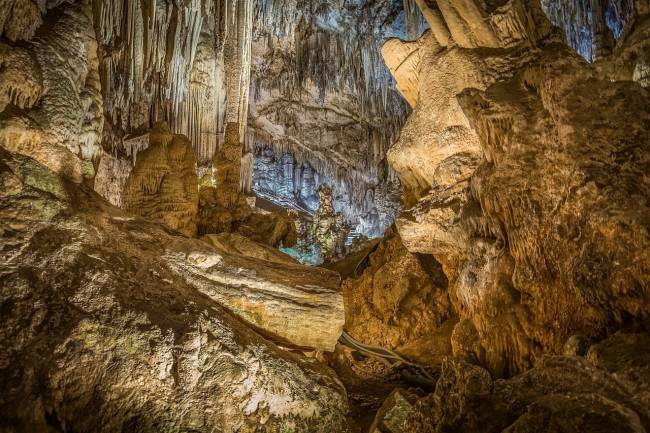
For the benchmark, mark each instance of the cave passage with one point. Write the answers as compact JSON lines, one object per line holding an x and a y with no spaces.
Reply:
{"x":324,"y":216}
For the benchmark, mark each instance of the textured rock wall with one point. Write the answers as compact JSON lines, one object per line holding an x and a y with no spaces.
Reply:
{"x":606,"y":390}
{"x":534,"y":207}
{"x":50,"y":90}
{"x":321,"y":92}
{"x":400,"y":302}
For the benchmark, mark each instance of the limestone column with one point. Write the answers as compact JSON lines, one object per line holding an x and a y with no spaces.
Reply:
{"x":237,"y":51}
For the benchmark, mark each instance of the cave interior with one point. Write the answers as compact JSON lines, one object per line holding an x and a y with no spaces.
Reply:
{"x":323,"y":216}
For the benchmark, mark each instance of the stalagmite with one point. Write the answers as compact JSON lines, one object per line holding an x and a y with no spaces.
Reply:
{"x":163,"y":185}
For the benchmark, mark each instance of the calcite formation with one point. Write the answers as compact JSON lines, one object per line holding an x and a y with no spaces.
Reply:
{"x":328,"y":228}
{"x":102,"y":330}
{"x":53,"y":80}
{"x":512,"y":293}
{"x":520,"y":195}
{"x":163,"y":185}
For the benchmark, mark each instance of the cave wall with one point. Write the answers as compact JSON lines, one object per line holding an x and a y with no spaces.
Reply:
{"x":291,"y":183}
{"x":538,"y":217}
{"x":591,"y":27}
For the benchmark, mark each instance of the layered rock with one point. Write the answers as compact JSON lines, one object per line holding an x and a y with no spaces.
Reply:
{"x":102,"y":331}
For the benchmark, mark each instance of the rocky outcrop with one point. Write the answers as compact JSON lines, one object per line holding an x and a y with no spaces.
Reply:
{"x":400,"y":302}
{"x":561,"y":393}
{"x":102,"y":332}
{"x":533,"y":205}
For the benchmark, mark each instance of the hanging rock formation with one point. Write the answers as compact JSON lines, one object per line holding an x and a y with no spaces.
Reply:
{"x":322,"y":95}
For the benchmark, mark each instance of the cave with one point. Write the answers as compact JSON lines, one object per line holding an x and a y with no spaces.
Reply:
{"x":324,"y":216}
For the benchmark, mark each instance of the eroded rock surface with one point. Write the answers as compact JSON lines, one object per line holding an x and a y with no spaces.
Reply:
{"x":400,"y":302}
{"x":533,"y":205}
{"x":560,"y":394}
{"x":163,"y":185}
{"x":101,"y":333}
{"x":52,"y":83}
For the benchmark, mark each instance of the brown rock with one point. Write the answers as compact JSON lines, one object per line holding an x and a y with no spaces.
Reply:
{"x":524,"y":195}
{"x":400,"y":302}
{"x":163,"y":185}
{"x":101,"y":334}
{"x":393,"y":413}
{"x":560,"y":394}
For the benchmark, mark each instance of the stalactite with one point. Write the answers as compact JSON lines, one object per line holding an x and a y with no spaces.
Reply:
{"x":148,"y":49}
{"x":335,"y":61}
{"x":590,"y":25}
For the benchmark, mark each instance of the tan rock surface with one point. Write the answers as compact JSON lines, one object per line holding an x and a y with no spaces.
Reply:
{"x":59,"y":70}
{"x":234,"y":243}
{"x":163,"y":185}
{"x":101,"y":334}
{"x":536,"y":209}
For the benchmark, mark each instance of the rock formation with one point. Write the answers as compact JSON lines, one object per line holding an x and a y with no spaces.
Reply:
{"x":104,"y":328}
{"x":510,"y":294}
{"x":163,"y":185}
{"x":520,"y":194}
{"x":53,"y":83}
{"x":604,"y":391}
{"x":328,"y":228}
{"x":400,"y":302}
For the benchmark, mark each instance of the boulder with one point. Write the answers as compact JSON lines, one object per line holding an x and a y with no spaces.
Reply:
{"x":101,"y":332}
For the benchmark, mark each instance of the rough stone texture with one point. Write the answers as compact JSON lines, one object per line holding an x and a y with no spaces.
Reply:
{"x":274,"y":229}
{"x":328,"y":228}
{"x":393,"y":413}
{"x":560,"y":394}
{"x":294,"y":184}
{"x":101,"y":334}
{"x":591,"y":27}
{"x":20,"y":18}
{"x":163,"y":186}
{"x":540,"y":224}
{"x":400,"y":302}
{"x":58,"y":69}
